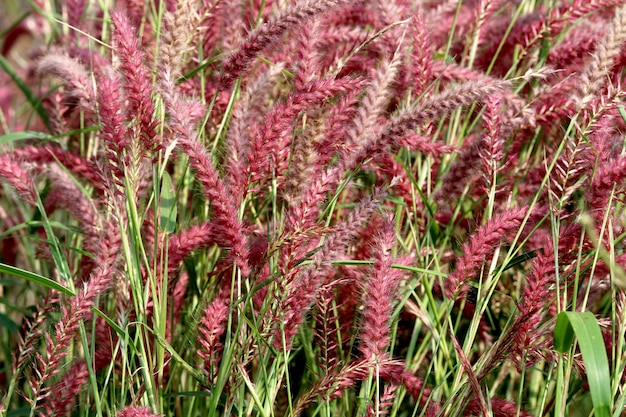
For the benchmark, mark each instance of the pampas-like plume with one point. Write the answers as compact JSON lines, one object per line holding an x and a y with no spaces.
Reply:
{"x":360,"y":137}
{"x":114,"y":130}
{"x":248,"y":111}
{"x":360,"y":141}
{"x":379,"y":295}
{"x":78,"y":310}
{"x":210,"y":330}
{"x":229,"y":229}
{"x":271,"y":146}
{"x":609,"y":174}
{"x":66,"y":390}
{"x":133,"y":411}
{"x":442,"y":103}
{"x":19,"y":177}
{"x":482,"y":244}
{"x":595,"y":73}
{"x":138,"y":80}
{"x":303,"y":289}
{"x":239,"y":61}
{"x":72,"y":73}
{"x":182,"y":244}
{"x":47,"y":154}
{"x":492,"y":149}
{"x":177,"y":35}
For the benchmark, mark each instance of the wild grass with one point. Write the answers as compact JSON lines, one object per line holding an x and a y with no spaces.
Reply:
{"x":312,"y":208}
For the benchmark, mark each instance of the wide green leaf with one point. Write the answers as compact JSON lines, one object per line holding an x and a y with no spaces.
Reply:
{"x":167,"y":221}
{"x":584,"y":326}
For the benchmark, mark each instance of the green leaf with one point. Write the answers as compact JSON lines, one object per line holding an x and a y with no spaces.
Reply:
{"x":167,"y":220}
{"x":26,"y":135}
{"x":7,"y":323}
{"x":196,"y":373}
{"x":622,"y":112}
{"x":55,"y":246}
{"x":15,"y":136}
{"x":30,"y":96}
{"x":520,"y":259}
{"x":196,"y":70}
{"x":19,"y":412}
{"x":121,"y":332}
{"x":36,"y":278}
{"x":584,"y":326}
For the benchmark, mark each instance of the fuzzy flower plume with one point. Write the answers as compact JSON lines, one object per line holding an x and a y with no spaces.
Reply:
{"x":492,"y":149}
{"x":595,"y":74}
{"x":114,"y":130}
{"x":19,"y":177}
{"x":533,"y":298}
{"x":47,"y":154}
{"x":302,"y":290}
{"x":379,"y":295}
{"x":72,"y":73}
{"x":229,"y":229}
{"x":66,"y":390}
{"x":608,"y":176}
{"x":360,"y":142}
{"x":176,"y":38}
{"x":361,"y":137}
{"x":482,"y":244}
{"x":138,"y":80}
{"x":133,"y":411}
{"x":77,"y":310}
{"x":442,"y":103}
{"x":273,"y":140}
{"x":211,"y":328}
{"x":183,"y":243}
{"x":239,"y":61}
{"x":249,"y":109}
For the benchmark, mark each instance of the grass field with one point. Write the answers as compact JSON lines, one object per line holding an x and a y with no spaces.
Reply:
{"x":312,"y":208}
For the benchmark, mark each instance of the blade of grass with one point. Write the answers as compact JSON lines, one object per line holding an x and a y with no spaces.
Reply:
{"x":30,"y":96}
{"x":14,"y":24}
{"x":36,"y":278}
{"x":167,"y":219}
{"x":26,"y":135}
{"x":585,"y":327}
{"x":197,"y":374}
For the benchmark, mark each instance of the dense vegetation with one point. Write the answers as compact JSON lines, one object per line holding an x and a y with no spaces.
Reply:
{"x":318,"y":208}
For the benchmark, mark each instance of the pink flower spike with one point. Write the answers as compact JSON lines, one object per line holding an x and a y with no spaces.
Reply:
{"x":482,"y":244}
{"x":138,"y":79}
{"x":379,"y":295}
{"x":132,"y":411}
{"x":238,"y":62}
{"x":18,"y":177}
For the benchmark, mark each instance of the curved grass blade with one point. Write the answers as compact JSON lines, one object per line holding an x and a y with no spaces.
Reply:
{"x":121,"y":332}
{"x":199,"y":68}
{"x":7,"y":323}
{"x":26,"y":135}
{"x":14,"y":24}
{"x":520,"y":259}
{"x":15,"y":136}
{"x":195,"y":373}
{"x":36,"y":278}
{"x":30,"y":96}
{"x":584,"y":327}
